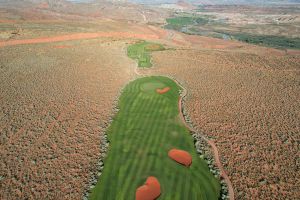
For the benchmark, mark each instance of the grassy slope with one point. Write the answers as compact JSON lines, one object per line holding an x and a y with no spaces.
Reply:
{"x":141,"y":51}
{"x":144,"y":130}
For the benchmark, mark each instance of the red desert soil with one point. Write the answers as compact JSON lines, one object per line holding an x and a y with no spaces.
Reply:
{"x":243,"y":101}
{"x":180,"y":156}
{"x":161,"y":33}
{"x":149,"y":191}
{"x":78,"y":36}
{"x":213,"y":146}
{"x":61,"y":46}
{"x":211,"y":43}
{"x":7,"y":21}
{"x":51,"y":131}
{"x":162,"y":91}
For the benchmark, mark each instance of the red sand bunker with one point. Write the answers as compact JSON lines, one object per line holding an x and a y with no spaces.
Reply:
{"x":149,"y":191}
{"x":162,"y":91}
{"x":180,"y":156}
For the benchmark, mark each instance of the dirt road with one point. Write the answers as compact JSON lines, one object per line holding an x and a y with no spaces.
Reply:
{"x":78,"y":36}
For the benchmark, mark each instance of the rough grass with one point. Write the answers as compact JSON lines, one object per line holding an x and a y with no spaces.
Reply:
{"x":141,"y":52}
{"x":141,"y":134}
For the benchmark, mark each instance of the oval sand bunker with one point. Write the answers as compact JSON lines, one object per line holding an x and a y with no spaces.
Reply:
{"x":149,"y":191}
{"x":180,"y":156}
{"x":162,"y":91}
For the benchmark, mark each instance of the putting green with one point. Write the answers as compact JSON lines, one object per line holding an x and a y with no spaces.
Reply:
{"x":141,"y":51}
{"x":146,"y":127}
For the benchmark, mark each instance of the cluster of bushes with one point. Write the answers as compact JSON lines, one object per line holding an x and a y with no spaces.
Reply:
{"x":187,"y":24}
{"x":178,"y":23}
{"x":247,"y":104}
{"x":269,"y":40}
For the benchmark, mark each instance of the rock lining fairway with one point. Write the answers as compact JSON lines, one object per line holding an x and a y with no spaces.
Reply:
{"x":146,"y":127}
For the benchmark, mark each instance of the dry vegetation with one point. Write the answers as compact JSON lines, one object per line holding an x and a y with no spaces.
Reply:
{"x":55,"y":103}
{"x":249,"y":104}
{"x":57,"y":98}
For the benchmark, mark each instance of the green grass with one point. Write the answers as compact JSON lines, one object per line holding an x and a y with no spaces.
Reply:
{"x":178,"y":23}
{"x":192,"y":24}
{"x":269,"y":40}
{"x":146,"y":127}
{"x":141,"y":51}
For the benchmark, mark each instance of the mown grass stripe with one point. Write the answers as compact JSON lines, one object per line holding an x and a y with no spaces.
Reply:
{"x":142,"y":132}
{"x":140,"y":51}
{"x":136,"y":165}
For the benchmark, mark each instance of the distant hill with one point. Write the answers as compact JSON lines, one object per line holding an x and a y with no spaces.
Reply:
{"x":218,"y":2}
{"x":200,"y":2}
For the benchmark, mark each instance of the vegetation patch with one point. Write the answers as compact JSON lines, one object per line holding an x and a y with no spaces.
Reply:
{"x":145,"y":129}
{"x":141,"y":51}
{"x":211,"y":26}
{"x":181,"y":22}
{"x":269,"y":40}
{"x":200,"y":8}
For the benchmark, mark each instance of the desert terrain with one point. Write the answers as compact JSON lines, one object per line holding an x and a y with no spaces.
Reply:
{"x":254,"y":124}
{"x":274,"y":26}
{"x":62,"y":74}
{"x":51,"y":124}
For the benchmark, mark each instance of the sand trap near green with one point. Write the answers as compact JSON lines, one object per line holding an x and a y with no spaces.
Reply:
{"x":146,"y":127}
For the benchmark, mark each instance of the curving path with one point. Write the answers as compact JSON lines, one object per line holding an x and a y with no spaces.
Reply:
{"x":78,"y":36}
{"x":210,"y":142}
